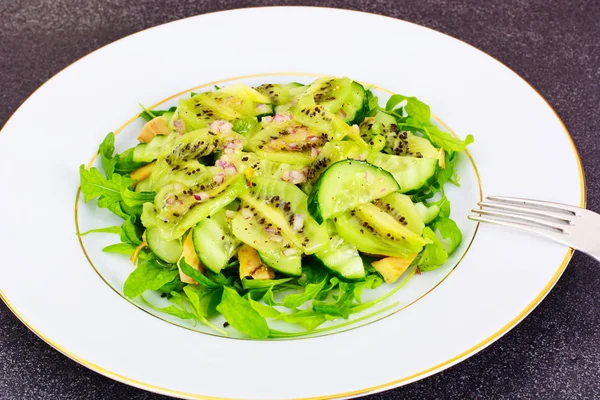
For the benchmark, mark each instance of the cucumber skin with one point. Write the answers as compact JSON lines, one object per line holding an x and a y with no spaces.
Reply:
{"x":313,"y":204}
{"x":363,"y":111}
{"x":318,"y":261}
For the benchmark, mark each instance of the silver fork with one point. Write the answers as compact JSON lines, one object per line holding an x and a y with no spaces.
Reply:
{"x":573,"y":226}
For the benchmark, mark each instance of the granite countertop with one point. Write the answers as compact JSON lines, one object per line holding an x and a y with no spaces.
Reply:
{"x":553,"y":354}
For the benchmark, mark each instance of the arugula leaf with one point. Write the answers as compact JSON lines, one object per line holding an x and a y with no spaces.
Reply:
{"x":120,"y":248}
{"x":268,"y":298}
{"x":106,"y":150}
{"x":341,"y":307}
{"x":415,"y":114}
{"x":308,"y":319}
{"x":199,"y":297}
{"x":108,"y":191}
{"x":109,"y":229}
{"x":249,"y":284}
{"x":310,"y":292}
{"x":264,"y":310}
{"x":214,"y":300}
{"x":280,"y":334}
{"x":129,"y":232}
{"x":202,"y":305}
{"x":174,"y":286}
{"x":171,"y":310}
{"x":125,"y":163}
{"x":372,"y":102}
{"x":333,"y":282}
{"x":434,"y":254}
{"x":146,"y":114}
{"x":415,"y":109}
{"x":445,"y":140}
{"x":149,"y":115}
{"x":448,"y":232}
{"x":241,"y":315}
{"x":196,"y":275}
{"x":133,"y":199}
{"x":149,"y":275}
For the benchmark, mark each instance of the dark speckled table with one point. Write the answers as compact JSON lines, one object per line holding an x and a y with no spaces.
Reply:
{"x":555,"y":45}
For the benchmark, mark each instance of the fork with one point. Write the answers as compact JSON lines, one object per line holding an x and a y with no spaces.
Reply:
{"x":572,"y":226}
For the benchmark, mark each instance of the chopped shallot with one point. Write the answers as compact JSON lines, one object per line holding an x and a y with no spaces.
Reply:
{"x":298,"y":222}
{"x":202,"y":196}
{"x":246,"y":213}
{"x":220,"y":126}
{"x":275,"y":238}
{"x":229,"y":214}
{"x":219,"y":178}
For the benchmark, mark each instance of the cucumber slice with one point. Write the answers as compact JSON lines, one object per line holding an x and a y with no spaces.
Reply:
{"x":144,"y":186}
{"x":355,"y":107}
{"x":401,"y":207}
{"x":347,"y":184}
{"x":148,"y":152}
{"x":167,"y":250}
{"x":274,"y":249}
{"x":331,"y":153}
{"x":214,"y":242}
{"x":428,"y":213}
{"x":373,"y":231}
{"x":411,"y":173}
{"x":284,"y":205}
{"x":341,"y":257}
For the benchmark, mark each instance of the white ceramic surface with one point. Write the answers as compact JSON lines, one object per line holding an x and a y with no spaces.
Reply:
{"x":47,"y":281}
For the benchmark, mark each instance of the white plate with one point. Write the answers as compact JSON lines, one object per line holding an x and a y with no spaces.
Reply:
{"x":522,"y":149}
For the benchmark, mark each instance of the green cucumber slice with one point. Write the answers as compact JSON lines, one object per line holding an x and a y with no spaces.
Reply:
{"x":347,"y":184}
{"x":411,"y":173}
{"x":148,"y":152}
{"x":355,"y":107}
{"x":428,"y":213}
{"x":167,"y":250}
{"x":214,"y":242}
{"x":341,"y":257}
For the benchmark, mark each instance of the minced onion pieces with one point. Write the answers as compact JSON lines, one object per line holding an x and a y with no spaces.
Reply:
{"x":246,"y":213}
{"x":201,"y":196}
{"x":229,"y":214}
{"x":276,"y":238}
{"x":298,"y":223}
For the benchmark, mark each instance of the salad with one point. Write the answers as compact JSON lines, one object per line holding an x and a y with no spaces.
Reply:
{"x":281,"y":202}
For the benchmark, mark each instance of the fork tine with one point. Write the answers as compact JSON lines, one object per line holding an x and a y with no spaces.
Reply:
{"x":537,"y":204}
{"x":540,"y":231}
{"x":519,"y":218}
{"x":531,"y":211}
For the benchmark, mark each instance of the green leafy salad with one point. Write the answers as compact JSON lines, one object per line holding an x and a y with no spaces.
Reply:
{"x":279,"y":203}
